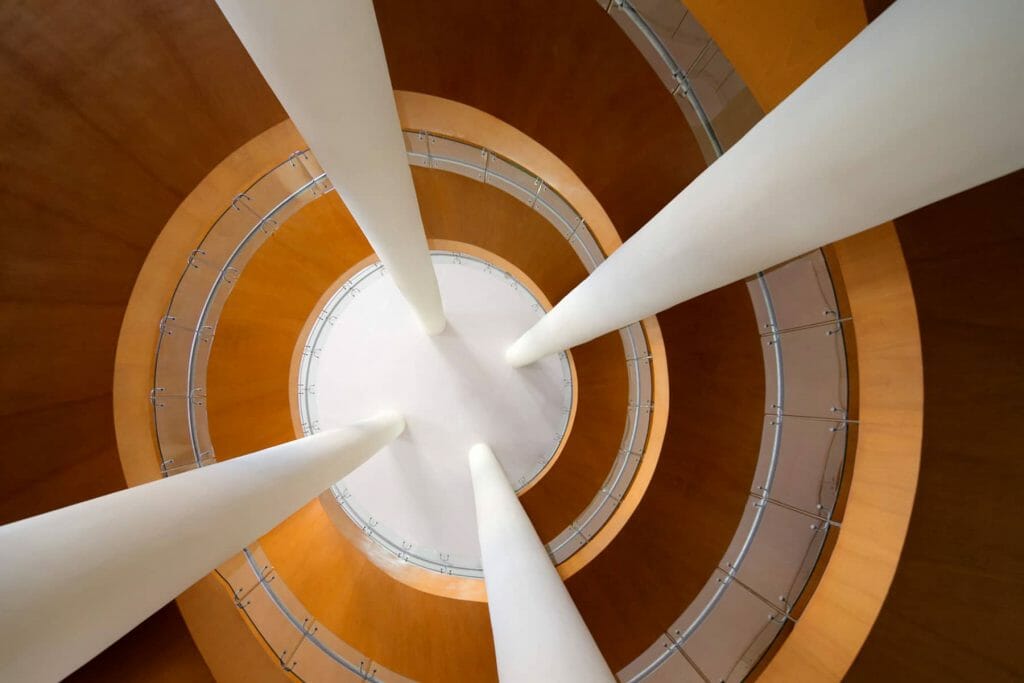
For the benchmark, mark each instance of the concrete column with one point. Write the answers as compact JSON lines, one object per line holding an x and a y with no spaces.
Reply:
{"x":923,"y":104}
{"x":74,"y":580}
{"x":325,"y":62}
{"x":538,"y":633}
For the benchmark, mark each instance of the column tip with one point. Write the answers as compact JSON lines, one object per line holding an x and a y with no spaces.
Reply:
{"x":515,"y":357}
{"x":480,"y":451}
{"x":435,"y":327}
{"x":391,"y":417}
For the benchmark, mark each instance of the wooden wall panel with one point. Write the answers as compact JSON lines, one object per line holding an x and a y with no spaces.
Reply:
{"x":110,"y":123}
{"x":113,"y":111}
{"x":159,"y":650}
{"x":953,"y":611}
{"x":776,"y":46}
{"x":564,"y":74}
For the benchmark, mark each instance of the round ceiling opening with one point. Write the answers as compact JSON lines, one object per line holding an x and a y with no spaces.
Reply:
{"x":367,"y":352}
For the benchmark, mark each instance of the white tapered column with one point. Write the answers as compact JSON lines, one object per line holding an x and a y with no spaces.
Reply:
{"x":926,"y":102}
{"x":539,"y":634}
{"x":325,"y":62}
{"x":74,"y":580}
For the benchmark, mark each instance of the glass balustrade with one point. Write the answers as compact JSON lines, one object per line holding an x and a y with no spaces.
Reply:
{"x":750,"y":598}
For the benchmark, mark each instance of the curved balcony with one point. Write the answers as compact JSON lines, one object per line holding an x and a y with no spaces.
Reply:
{"x":750,"y":597}
{"x":80,"y":144}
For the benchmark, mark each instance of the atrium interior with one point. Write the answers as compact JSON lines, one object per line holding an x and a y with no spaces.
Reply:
{"x":577,"y":341}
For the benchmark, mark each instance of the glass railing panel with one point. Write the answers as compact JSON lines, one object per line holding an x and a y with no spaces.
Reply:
{"x":814,"y":372}
{"x":325,"y":657}
{"x":664,"y":72}
{"x":170,"y":377}
{"x":586,"y":248}
{"x":202,"y":443}
{"x":457,"y":167}
{"x":672,"y":665}
{"x":700,"y":134}
{"x":802,"y":292}
{"x":643,"y":666}
{"x":171,"y":418}
{"x":634,"y":438}
{"x":562,"y":546}
{"x":618,"y":480}
{"x":640,"y":385}
{"x":736,"y":553}
{"x":202,"y":270}
{"x":808,"y":464}
{"x":457,"y":157}
{"x":434,"y":559}
{"x":761,"y":311}
{"x":275,"y":187}
{"x":713,"y":80}
{"x":675,"y":669}
{"x":289,"y":205}
{"x":634,"y":344}
{"x":281,"y":619}
{"x":510,"y":178}
{"x":689,"y":42}
{"x":243,"y":577}
{"x":784,"y":549}
{"x":385,"y":675}
{"x":312,"y":663}
{"x":756,"y":650}
{"x":215,"y":306}
{"x":557,"y":211}
{"x":280,"y":633}
{"x":718,"y":647}
{"x":309,"y":162}
{"x":661,"y":16}
{"x":416,"y":148}
{"x":594,"y":516}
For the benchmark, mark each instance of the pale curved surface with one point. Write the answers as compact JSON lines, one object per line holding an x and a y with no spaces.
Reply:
{"x":453,"y":390}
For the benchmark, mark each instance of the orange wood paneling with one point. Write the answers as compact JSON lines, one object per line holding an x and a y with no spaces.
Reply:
{"x":113,"y":111}
{"x":232,"y":650}
{"x":104,"y":132}
{"x":159,"y":650}
{"x":776,"y":46}
{"x":953,"y":611}
{"x":564,"y":74}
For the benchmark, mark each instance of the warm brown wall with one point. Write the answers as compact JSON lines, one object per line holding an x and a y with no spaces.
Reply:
{"x":954,"y":609}
{"x":113,"y":111}
{"x":159,"y":650}
{"x":563,"y":73}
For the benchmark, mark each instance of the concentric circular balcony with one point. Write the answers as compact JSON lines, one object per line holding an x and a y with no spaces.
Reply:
{"x":551,"y":342}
